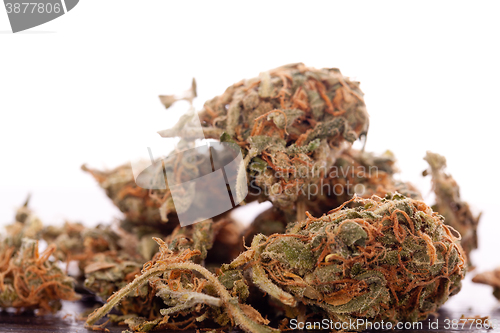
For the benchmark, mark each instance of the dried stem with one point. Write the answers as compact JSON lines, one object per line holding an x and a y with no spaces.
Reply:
{"x":228,"y":301}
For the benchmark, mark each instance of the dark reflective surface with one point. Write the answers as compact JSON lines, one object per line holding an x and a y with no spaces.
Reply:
{"x":66,"y":321}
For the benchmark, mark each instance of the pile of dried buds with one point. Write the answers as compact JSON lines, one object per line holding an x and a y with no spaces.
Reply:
{"x":374,"y":250}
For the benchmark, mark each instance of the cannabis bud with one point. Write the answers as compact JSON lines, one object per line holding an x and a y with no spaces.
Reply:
{"x":28,"y":280}
{"x":187,"y":290}
{"x":355,"y":172}
{"x":375,"y":253}
{"x":456,"y":212}
{"x":139,"y":205}
{"x":290,"y":122}
{"x":148,"y":199}
{"x":390,"y":259}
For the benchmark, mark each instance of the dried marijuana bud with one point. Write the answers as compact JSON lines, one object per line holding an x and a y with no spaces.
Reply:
{"x":139,"y":205}
{"x":376,"y":253}
{"x":355,"y":172}
{"x":111,"y":259}
{"x":78,"y":243}
{"x":26,"y":225}
{"x":291,"y":123}
{"x":108,"y":258}
{"x":294,"y":103}
{"x":147,"y":201}
{"x":29,"y":280}
{"x":389,"y":259}
{"x":109,"y":271}
{"x":448,"y":203}
{"x":190,"y":293}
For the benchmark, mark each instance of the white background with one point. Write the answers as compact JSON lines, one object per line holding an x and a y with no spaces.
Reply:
{"x":83,"y":89}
